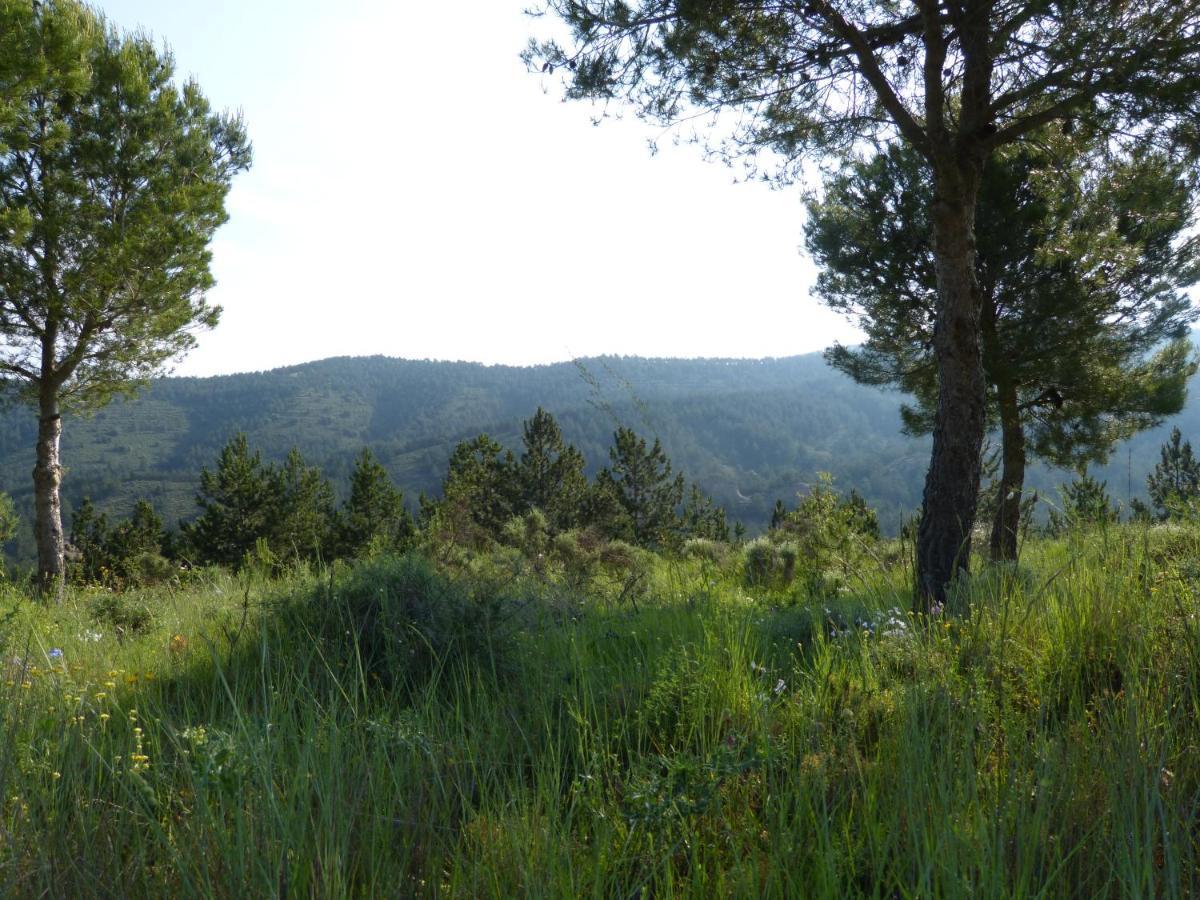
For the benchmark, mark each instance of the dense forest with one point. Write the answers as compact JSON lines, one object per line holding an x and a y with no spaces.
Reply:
{"x":748,"y":432}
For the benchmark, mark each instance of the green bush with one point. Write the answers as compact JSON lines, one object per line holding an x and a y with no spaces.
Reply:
{"x":759,"y":560}
{"x":705,"y":549}
{"x":126,"y":613}
{"x":397,"y":620}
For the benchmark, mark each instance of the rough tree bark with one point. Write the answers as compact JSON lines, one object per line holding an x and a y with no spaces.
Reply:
{"x":952,"y":483}
{"x":47,"y":479}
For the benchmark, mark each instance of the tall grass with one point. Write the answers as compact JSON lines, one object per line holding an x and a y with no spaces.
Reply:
{"x":395,"y":731}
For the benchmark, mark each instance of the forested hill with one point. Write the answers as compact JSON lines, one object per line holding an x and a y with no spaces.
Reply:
{"x":749,"y":431}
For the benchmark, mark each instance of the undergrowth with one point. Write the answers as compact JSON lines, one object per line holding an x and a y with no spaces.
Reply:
{"x":397,"y":730}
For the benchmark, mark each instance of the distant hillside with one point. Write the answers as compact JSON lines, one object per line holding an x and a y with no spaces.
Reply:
{"x":749,"y":431}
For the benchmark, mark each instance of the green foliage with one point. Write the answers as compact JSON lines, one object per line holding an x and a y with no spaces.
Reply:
{"x":1082,"y":357}
{"x":117,"y":555}
{"x":118,"y":173}
{"x":641,"y":479}
{"x":697,"y":743}
{"x":113,"y":178}
{"x":1175,"y":481}
{"x":477,"y":494}
{"x":126,"y":613}
{"x":1085,"y":502}
{"x":550,"y":474}
{"x":373,"y":518}
{"x":256,"y":512}
{"x":8,"y":524}
{"x":761,"y":428}
{"x":761,"y":561}
{"x":300,"y":510}
{"x":547,"y":492}
{"x":702,"y":518}
{"x":235,"y":506}
{"x":396,"y":621}
{"x":831,"y":534}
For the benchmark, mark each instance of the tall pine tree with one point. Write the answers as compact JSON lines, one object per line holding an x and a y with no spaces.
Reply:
{"x":1176,"y":478}
{"x":1082,"y":274}
{"x":373,"y":516}
{"x":549,"y":474}
{"x":645,"y":488}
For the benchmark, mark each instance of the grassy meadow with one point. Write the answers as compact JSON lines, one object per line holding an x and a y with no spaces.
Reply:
{"x":498,"y":728}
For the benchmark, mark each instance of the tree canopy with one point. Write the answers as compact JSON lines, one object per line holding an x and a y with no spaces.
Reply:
{"x":1083,"y":270}
{"x":113,"y":179}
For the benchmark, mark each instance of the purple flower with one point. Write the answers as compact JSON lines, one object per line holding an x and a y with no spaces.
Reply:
{"x":55,"y":653}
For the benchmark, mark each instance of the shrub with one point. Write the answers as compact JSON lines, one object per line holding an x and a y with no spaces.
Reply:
{"x":759,"y":558}
{"x":705,"y":549}
{"x":399,"y":620}
{"x":126,"y":613}
{"x":788,"y":555}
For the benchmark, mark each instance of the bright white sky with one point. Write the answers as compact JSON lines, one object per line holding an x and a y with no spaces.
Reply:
{"x":416,"y":193}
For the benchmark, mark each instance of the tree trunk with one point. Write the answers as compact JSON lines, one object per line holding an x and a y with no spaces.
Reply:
{"x":47,"y":478}
{"x":952,"y":483}
{"x":1007,"y":524}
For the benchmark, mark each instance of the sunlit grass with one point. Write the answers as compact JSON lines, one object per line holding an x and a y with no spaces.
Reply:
{"x":702,"y":738}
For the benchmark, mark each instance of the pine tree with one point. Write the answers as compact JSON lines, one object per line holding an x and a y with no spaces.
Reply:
{"x":373,"y":516}
{"x":110,"y":553}
{"x":1074,"y":362}
{"x":644,"y":486}
{"x":90,"y":535}
{"x":1085,"y":501}
{"x":113,"y":178}
{"x":549,"y":474}
{"x":702,"y":518}
{"x":778,"y":515}
{"x":301,"y":510}
{"x":478,"y":493}
{"x":1175,"y":481}
{"x":141,"y":534}
{"x":235,"y":506}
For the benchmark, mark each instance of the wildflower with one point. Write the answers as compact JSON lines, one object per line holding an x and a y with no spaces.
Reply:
{"x":55,"y":653}
{"x":780,"y":687}
{"x":178,"y":643}
{"x":104,"y":717}
{"x":56,"y":775}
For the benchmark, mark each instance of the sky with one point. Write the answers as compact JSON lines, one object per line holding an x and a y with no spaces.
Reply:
{"x":416,"y":193}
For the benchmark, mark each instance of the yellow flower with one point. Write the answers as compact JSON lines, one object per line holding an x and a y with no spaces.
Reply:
{"x":104,"y":717}
{"x":56,"y":775}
